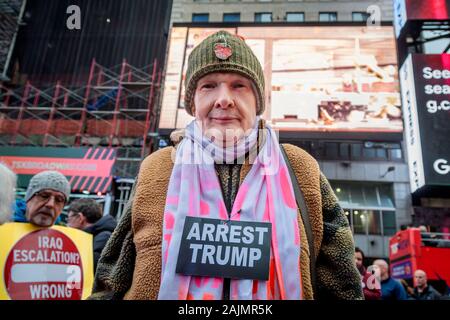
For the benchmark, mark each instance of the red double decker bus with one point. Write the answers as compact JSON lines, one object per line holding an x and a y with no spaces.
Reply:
{"x":410,"y":250}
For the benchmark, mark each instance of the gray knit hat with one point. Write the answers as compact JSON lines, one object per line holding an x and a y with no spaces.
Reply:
{"x":48,"y":180}
{"x":223,"y":52}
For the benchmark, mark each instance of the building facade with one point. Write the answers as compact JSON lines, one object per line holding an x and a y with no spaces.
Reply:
{"x":277,"y":10}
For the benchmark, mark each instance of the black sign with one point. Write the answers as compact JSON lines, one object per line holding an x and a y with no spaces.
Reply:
{"x":426,"y":91}
{"x":225,"y":249}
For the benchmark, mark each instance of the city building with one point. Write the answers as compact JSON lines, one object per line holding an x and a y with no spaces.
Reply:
{"x":263,"y":11}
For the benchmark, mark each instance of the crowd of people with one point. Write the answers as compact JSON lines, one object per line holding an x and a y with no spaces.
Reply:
{"x":378,"y":284}
{"x":48,"y":193}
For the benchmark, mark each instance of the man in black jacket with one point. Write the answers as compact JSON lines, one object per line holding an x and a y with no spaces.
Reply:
{"x":86,"y":215}
{"x":422,"y":290}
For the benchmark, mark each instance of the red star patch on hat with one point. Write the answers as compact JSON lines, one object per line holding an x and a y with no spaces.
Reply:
{"x":223,"y":51}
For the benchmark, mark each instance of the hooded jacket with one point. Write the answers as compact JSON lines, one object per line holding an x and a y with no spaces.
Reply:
{"x":101,"y":230}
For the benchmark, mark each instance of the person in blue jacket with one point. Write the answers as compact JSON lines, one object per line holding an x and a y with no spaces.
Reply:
{"x":20,"y":209}
{"x":391,"y":289}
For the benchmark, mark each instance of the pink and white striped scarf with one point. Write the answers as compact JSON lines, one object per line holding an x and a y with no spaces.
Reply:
{"x":265,"y":195}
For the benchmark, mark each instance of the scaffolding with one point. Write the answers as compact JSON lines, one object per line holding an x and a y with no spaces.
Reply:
{"x":116,"y":108}
{"x":11,"y":12}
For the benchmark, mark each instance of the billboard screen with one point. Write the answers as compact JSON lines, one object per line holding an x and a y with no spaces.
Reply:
{"x":318,"y":78}
{"x":425,"y":83}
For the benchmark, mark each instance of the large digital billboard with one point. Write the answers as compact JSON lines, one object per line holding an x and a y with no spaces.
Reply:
{"x":318,"y":78}
{"x":425,"y":83}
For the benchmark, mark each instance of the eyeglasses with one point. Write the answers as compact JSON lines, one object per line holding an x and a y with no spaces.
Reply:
{"x":44,"y":196}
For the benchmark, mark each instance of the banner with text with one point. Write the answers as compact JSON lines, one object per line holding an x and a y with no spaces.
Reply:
{"x":45,"y":263}
{"x":425,"y":86}
{"x":87,"y":169}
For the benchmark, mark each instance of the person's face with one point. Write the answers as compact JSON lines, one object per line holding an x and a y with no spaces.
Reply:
{"x":75,"y":220}
{"x":358,"y":259}
{"x":420,"y":279}
{"x":383,"y":269}
{"x":45,"y":207}
{"x":225,"y":106}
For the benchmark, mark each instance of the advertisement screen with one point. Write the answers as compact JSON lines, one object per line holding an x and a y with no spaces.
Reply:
{"x":426,"y":89}
{"x":321,"y":78}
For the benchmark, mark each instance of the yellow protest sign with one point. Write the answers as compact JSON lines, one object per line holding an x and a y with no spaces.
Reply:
{"x":45,"y":263}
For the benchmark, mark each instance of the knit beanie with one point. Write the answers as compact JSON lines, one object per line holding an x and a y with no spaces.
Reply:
{"x":223,"y":52}
{"x":48,"y":180}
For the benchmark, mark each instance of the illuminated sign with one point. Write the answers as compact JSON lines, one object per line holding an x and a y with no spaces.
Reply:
{"x":85,"y":168}
{"x":318,"y":79}
{"x":425,"y":82}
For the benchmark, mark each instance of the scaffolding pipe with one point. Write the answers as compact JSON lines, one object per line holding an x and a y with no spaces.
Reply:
{"x":154,"y":119}
{"x":149,"y":109}
{"x":21,"y":111}
{"x":52,"y":113}
{"x":85,"y":102}
{"x":117,"y":105}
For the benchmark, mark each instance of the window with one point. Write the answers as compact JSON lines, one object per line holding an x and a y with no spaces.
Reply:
{"x":327,"y":16}
{"x":360,"y":16}
{"x":200,"y":17}
{"x":370,"y":195}
{"x":263,"y":17}
{"x":368,"y":207}
{"x":344,"y":151}
{"x":369,"y":153}
{"x":331,"y":150}
{"x":357,"y":195}
{"x":351,"y":151}
{"x":395,"y":154}
{"x":347,"y":214}
{"x":386,"y":196}
{"x":295,"y":17}
{"x":381,"y":153}
{"x":373,"y":221}
{"x":231,"y":17}
{"x":364,"y":195}
{"x":359,"y":223}
{"x":342,"y":192}
{"x":389,"y":225}
{"x":356,"y":151}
